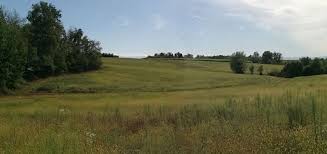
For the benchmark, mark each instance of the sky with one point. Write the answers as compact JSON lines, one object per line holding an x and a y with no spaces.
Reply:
{"x":136,"y":28}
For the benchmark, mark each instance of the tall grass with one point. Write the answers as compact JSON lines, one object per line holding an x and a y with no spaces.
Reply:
{"x":291,"y":123}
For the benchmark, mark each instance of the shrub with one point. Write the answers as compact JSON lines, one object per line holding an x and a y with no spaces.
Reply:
{"x":314,"y":68}
{"x":251,"y":69}
{"x":260,"y":69}
{"x":275,"y":72}
{"x":305,"y":61}
{"x":255,"y":58}
{"x":292,"y":69}
{"x":238,"y":62}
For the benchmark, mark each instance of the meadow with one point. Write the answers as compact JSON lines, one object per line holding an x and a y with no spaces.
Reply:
{"x":166,"y":106}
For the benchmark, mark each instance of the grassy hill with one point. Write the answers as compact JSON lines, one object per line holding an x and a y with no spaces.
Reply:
{"x":123,"y":75}
{"x":149,"y":106}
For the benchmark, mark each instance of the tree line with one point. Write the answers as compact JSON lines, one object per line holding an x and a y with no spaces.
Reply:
{"x":267,"y":57}
{"x":39,"y":46}
{"x":189,"y":56}
{"x":171,"y":55}
{"x":212,"y":57}
{"x":304,"y":67}
{"x":110,"y":55}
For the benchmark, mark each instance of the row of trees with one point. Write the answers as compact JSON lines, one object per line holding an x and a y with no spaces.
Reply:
{"x":266,"y":58}
{"x":41,"y":47}
{"x":190,"y":56}
{"x":110,"y":55}
{"x":238,"y":64}
{"x":212,"y":57}
{"x":170,"y":55}
{"x":305,"y":67}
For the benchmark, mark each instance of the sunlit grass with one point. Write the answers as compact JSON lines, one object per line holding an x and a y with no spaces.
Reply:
{"x":166,"y":106}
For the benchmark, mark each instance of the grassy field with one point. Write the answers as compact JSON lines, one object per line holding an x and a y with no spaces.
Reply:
{"x":166,"y":106}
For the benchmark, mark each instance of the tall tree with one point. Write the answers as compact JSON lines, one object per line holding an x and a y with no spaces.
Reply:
{"x":255,"y":58}
{"x":83,"y":54}
{"x":267,"y":57}
{"x":305,"y":61}
{"x":277,"y":58}
{"x":12,"y":51}
{"x":46,"y":33}
{"x":238,"y":62}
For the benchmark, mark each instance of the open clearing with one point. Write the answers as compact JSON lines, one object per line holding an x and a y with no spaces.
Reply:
{"x":163,"y":106}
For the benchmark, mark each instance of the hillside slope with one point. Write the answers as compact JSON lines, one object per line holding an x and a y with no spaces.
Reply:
{"x":132,"y":75}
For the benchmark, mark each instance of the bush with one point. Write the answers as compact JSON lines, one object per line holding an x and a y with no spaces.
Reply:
{"x":314,"y":68}
{"x":238,"y":62}
{"x":84,"y":54}
{"x":260,"y":69}
{"x":255,"y":58}
{"x":251,"y":69}
{"x":275,"y":72}
{"x":292,"y":69}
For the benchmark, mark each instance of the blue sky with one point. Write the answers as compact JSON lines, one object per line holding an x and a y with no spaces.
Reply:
{"x":133,"y":28}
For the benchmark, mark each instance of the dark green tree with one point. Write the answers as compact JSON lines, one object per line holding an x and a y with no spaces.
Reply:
{"x":260,"y":69}
{"x":305,"y":61}
{"x":267,"y":57}
{"x":238,"y":62}
{"x":46,"y":33}
{"x":316,"y":67}
{"x":13,"y":47}
{"x":178,"y":55}
{"x":292,"y":69}
{"x":83,"y":54}
{"x":276,"y":58}
{"x":251,"y":69}
{"x":255,"y":58}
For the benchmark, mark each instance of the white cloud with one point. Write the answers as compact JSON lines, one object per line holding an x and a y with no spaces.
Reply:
{"x":158,"y":22}
{"x":305,"y":21}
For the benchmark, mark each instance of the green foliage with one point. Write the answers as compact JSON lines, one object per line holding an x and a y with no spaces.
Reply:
{"x":267,"y":57}
{"x":305,"y":61}
{"x":271,"y":58}
{"x":292,"y":69}
{"x":46,"y":32}
{"x":84,"y":54}
{"x":260,"y":69}
{"x":314,"y":68}
{"x":40,"y":48}
{"x":111,"y":55}
{"x":12,"y":51}
{"x":305,"y":67}
{"x":238,"y":62}
{"x":255,"y":58}
{"x":277,"y":58}
{"x":251,"y":69}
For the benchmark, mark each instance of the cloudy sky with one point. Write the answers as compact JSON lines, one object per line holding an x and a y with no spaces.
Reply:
{"x":142,"y":27}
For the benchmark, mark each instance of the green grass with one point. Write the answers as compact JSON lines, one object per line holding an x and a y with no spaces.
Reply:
{"x":130,"y":75}
{"x":166,"y":106}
